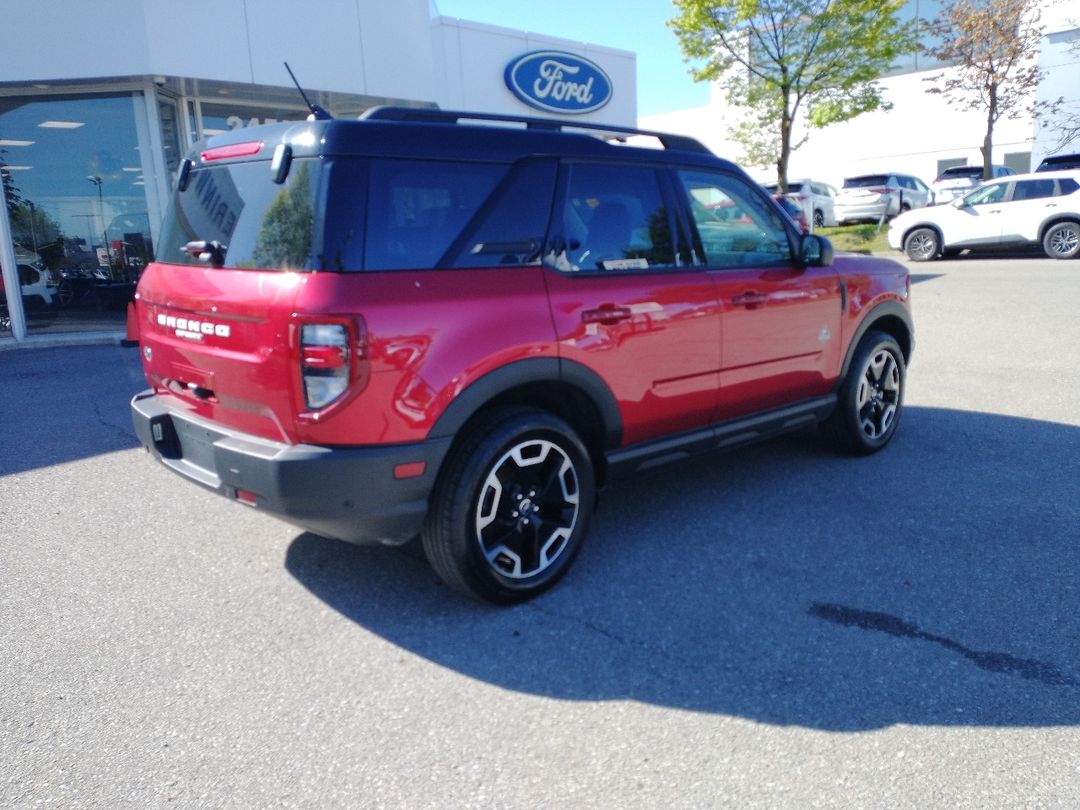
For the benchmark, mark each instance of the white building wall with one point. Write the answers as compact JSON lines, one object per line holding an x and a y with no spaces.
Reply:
{"x":475,"y":55}
{"x":364,"y":47}
{"x":920,"y":130}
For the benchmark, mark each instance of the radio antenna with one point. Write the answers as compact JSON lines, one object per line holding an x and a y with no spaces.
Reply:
{"x":317,"y":112}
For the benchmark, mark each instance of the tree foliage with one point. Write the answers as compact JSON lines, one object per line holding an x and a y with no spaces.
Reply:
{"x":994,"y":45}
{"x":779,"y":59}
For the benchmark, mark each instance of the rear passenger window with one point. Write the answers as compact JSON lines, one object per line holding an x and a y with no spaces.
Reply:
{"x":610,"y":218}
{"x":416,"y":209}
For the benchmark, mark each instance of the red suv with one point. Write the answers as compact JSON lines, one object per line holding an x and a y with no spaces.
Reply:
{"x":418,"y":323}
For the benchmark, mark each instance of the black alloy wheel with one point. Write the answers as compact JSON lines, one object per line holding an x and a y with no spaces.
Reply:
{"x":512,"y":507}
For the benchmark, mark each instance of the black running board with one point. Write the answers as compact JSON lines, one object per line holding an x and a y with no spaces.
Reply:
{"x":724,"y":435}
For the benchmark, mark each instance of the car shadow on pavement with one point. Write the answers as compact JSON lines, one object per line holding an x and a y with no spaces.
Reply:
{"x":66,"y":403}
{"x":933,"y":584}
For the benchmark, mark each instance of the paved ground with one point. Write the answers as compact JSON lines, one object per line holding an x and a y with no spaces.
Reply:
{"x":778,"y":628}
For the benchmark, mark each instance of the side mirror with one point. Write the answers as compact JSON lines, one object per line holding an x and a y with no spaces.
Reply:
{"x":816,"y":251}
{"x":958,"y":203}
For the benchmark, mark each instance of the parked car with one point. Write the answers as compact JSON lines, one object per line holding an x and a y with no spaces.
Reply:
{"x":1025,"y":209}
{"x":876,"y":196}
{"x":1059,"y":162}
{"x":461,"y":332}
{"x":817,"y":200}
{"x":34,"y":285}
{"x":794,"y":211}
{"x":957,"y":181}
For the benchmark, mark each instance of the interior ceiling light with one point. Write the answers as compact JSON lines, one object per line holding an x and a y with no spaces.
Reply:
{"x":62,"y":124}
{"x":8,"y":142}
{"x":131,"y":169}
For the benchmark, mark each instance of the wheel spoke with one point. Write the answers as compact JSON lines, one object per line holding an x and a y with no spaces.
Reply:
{"x":527,"y":509}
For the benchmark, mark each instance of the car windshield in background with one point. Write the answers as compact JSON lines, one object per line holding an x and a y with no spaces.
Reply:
{"x":866,"y":181}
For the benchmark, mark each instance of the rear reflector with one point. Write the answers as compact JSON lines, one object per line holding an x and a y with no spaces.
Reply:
{"x":234,"y":150}
{"x":244,"y":496}
{"x":413,"y":469}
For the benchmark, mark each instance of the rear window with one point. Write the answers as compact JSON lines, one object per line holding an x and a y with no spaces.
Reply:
{"x":258,"y":223}
{"x":866,"y":181}
{"x":1056,"y":162}
{"x":961,"y":171}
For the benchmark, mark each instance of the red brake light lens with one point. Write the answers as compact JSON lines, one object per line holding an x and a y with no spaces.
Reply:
{"x":325,"y":362}
{"x":234,"y":150}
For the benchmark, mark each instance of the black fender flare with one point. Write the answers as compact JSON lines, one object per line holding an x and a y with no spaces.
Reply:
{"x":886,"y":309}
{"x":527,"y":372}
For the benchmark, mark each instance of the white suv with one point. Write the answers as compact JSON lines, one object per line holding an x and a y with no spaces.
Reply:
{"x":876,"y":196}
{"x":1022,"y":210}
{"x":816,"y":199}
{"x":957,"y":181}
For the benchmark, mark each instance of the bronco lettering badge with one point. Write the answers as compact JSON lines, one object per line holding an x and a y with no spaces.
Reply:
{"x":192,"y":328}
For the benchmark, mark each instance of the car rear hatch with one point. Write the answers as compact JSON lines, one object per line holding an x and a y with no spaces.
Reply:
{"x":215,"y":313}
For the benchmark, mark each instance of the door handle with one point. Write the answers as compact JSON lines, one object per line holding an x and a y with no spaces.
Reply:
{"x":750,"y":300}
{"x":607,"y":314}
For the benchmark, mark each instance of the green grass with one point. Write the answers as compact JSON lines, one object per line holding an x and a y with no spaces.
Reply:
{"x":857,"y":238}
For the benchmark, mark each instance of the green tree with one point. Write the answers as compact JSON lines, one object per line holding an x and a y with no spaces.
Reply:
{"x":994,"y":45}
{"x":778,"y":59}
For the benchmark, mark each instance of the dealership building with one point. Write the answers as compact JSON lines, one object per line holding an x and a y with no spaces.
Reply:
{"x":920,"y":133}
{"x":99,"y":102}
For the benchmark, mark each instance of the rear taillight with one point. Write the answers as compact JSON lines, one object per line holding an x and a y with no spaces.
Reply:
{"x":326,"y":360}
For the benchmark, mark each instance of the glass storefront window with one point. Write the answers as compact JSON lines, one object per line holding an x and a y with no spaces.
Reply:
{"x":218,"y":118}
{"x":73,"y":171}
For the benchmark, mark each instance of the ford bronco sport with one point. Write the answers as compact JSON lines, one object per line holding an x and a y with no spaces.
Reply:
{"x":420,"y":323}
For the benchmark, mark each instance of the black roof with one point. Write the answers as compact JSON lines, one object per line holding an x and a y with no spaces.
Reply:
{"x":432,"y":133}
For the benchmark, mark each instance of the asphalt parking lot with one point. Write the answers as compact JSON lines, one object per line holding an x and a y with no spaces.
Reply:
{"x":778,"y":627}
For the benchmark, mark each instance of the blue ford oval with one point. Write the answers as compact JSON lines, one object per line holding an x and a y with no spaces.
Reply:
{"x":558,"y":82}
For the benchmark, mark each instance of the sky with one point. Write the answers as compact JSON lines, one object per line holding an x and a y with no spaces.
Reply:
{"x":663,"y":82}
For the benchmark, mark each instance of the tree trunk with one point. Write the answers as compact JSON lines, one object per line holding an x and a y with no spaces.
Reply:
{"x":785,"y":149}
{"x":988,"y":139}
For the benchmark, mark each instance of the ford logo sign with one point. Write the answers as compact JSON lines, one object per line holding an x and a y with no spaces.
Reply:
{"x":558,"y":82}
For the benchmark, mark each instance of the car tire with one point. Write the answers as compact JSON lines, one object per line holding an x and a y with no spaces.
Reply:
{"x":870,"y":398}
{"x":511,"y":507}
{"x":1062,"y":241}
{"x":922,"y":245}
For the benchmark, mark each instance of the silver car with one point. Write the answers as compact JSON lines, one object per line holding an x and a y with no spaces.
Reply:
{"x":873,"y":197}
{"x":959,"y":180}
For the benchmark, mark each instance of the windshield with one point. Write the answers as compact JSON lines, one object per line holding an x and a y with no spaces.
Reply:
{"x":256,"y":223}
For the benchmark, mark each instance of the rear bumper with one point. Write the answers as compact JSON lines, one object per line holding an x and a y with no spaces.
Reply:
{"x":348,"y":493}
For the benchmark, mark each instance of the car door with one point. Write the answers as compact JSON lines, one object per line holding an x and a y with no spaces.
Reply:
{"x":779,"y":319}
{"x":626,"y":301}
{"x":1031,"y":202}
{"x":979,"y":217}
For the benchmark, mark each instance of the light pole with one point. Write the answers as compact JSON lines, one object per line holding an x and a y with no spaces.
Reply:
{"x":96,"y":180}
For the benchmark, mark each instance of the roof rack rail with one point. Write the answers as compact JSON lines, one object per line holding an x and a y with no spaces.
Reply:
{"x":435,"y":116}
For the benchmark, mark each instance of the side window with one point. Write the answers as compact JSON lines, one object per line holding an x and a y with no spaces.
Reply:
{"x":737,"y":226}
{"x":417,"y":208}
{"x":992,"y":193}
{"x":511,"y":227}
{"x":1066,"y":185}
{"x":610,"y":217}
{"x":1033,"y":190}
